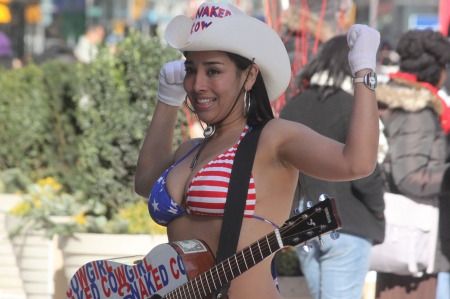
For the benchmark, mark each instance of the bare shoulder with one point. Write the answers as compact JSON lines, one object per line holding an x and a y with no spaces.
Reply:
{"x":185,"y":147}
{"x":279,"y":130}
{"x":279,"y":125}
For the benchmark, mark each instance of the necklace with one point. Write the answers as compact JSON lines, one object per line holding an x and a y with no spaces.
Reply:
{"x":209,"y":131}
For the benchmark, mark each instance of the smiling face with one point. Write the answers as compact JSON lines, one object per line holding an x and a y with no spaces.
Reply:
{"x":212,"y":83}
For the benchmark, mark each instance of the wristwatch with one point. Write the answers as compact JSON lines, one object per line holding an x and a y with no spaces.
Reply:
{"x":369,"y":79}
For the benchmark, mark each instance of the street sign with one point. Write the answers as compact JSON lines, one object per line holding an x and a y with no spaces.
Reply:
{"x":423,"y":21}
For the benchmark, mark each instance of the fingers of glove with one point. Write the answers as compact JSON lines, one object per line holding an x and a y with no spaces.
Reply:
{"x":173,"y":72}
{"x":170,"y":87}
{"x":363,"y":35}
{"x":172,"y":95}
{"x":363,"y":42}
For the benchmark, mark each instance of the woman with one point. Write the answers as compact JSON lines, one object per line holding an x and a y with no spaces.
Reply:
{"x":415,"y":121}
{"x":231,"y":60}
{"x":336,"y":269}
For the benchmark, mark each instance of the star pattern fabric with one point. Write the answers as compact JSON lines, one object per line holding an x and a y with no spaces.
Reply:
{"x":161,"y":206}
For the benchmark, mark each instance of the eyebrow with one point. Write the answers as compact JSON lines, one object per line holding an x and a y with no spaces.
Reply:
{"x":190,"y":62}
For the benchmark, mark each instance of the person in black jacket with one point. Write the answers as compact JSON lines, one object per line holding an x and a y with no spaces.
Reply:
{"x":416,"y":120}
{"x":55,"y":47}
{"x":336,"y":269}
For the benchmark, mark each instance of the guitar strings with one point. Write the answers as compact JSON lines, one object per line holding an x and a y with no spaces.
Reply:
{"x":235,"y":261}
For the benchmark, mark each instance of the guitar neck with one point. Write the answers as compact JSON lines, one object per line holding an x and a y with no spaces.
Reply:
{"x":211,"y":280}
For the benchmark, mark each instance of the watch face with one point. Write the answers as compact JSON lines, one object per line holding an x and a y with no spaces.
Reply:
{"x":370,"y":79}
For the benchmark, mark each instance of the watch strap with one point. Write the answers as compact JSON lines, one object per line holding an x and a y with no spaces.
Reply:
{"x":358,"y":80}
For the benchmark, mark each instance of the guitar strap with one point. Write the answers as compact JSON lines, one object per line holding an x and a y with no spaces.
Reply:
{"x":236,"y":199}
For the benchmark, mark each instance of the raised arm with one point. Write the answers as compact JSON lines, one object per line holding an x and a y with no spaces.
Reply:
{"x":156,"y":152}
{"x":325,"y":158}
{"x":363,"y":135}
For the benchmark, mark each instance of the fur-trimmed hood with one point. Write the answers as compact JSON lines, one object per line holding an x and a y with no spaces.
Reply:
{"x":409,"y":96}
{"x":299,"y":20}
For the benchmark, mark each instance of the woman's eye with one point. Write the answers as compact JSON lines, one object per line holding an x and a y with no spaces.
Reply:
{"x":189,"y":70}
{"x":213,"y":72}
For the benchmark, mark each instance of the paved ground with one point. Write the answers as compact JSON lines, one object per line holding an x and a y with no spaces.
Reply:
{"x":293,"y":287}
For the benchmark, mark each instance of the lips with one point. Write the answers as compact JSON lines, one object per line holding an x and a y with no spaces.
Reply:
{"x":204,"y":103}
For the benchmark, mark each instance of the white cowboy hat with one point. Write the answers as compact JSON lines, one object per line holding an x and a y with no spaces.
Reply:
{"x":223,"y":27}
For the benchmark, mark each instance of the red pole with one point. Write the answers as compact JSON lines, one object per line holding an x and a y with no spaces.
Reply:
{"x":444,"y":16}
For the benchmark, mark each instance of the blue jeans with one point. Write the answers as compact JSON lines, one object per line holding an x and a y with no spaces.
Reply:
{"x":336,"y":270}
{"x":443,"y":286}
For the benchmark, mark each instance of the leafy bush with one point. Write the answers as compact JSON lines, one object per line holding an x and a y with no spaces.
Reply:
{"x":46,"y":206}
{"x":134,"y":219}
{"x":287,"y":262}
{"x":35,"y":111}
{"x":12,"y":180}
{"x":84,"y":124}
{"x":117,"y":98}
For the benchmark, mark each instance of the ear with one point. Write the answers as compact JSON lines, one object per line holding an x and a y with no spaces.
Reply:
{"x":254,"y":69}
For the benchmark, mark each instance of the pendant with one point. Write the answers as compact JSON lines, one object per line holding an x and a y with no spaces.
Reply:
{"x":209,"y":131}
{"x":193,"y":163}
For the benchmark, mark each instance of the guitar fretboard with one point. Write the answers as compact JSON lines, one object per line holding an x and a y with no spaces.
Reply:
{"x":224,"y":272}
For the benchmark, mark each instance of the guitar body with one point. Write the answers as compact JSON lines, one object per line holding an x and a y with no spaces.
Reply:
{"x":186,"y":269}
{"x":163,"y":269}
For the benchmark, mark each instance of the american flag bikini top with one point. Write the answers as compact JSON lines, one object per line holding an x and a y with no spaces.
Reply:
{"x":207,"y":192}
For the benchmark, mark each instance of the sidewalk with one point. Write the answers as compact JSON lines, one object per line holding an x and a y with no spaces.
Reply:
{"x":293,"y":287}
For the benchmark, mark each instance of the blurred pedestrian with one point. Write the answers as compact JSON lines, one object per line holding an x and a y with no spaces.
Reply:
{"x":416,"y":121}
{"x":307,"y":26}
{"x":336,"y":269}
{"x":6,"y":58}
{"x":87,"y":47}
{"x":117,"y":35}
{"x":55,"y":47}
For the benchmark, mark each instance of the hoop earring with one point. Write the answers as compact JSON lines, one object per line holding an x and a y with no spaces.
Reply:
{"x":246,"y":101}
{"x":187,"y":106}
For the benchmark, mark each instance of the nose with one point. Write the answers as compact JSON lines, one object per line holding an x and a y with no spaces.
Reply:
{"x":199,"y":83}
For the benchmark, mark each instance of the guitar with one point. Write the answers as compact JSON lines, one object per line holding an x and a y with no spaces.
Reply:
{"x":186,"y":269}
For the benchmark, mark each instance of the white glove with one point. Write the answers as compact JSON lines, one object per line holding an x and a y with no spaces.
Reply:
{"x":363,"y":42}
{"x":170,"y":87}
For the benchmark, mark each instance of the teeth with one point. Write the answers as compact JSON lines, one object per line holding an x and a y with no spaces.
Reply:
{"x":204,"y":101}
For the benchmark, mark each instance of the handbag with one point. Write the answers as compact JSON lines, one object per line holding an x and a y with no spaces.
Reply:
{"x":409,"y":247}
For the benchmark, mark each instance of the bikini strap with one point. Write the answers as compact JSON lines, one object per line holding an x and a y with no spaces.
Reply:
{"x":184,"y":157}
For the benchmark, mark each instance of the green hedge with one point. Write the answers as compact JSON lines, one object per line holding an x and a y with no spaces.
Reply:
{"x":84,"y":123}
{"x":287,"y":262}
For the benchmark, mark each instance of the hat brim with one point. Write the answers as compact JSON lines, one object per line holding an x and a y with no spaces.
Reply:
{"x":242,"y":35}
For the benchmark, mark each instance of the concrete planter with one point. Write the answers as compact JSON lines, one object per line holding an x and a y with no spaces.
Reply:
{"x":35,"y":258}
{"x":27,"y":261}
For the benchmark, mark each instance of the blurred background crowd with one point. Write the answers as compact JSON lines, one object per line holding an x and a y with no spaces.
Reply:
{"x":33,"y":25}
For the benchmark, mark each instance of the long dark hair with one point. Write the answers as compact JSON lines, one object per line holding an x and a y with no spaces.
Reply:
{"x":260,"y":110}
{"x":332,"y":57}
{"x":424,"y":53}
